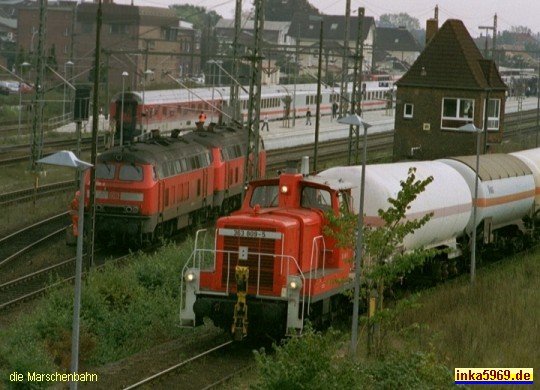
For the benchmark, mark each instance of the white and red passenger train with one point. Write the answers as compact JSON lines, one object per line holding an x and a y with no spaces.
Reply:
{"x":273,"y":266}
{"x":167,"y":110}
{"x":150,"y":189}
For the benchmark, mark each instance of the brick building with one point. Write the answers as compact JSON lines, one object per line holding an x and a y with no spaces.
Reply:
{"x":446,"y":88}
{"x":133,"y":39}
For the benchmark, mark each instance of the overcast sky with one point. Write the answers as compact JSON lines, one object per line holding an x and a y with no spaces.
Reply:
{"x":473,"y":13}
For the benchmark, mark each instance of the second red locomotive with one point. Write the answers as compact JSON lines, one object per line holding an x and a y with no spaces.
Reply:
{"x":149,"y":189}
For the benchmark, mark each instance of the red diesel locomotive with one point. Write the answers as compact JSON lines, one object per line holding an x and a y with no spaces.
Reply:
{"x":149,"y":189}
{"x":273,"y":266}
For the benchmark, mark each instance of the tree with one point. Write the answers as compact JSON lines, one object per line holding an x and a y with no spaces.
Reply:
{"x":283,"y":10}
{"x":384,"y":263}
{"x":199,"y":16}
{"x":399,"y":20}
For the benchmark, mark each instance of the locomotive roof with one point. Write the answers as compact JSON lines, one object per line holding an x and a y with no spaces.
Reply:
{"x":335,"y":184}
{"x":496,"y":166}
{"x":154,"y":150}
{"x":217,"y":137}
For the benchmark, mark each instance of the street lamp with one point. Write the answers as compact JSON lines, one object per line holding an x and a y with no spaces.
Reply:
{"x":469,"y":127}
{"x":24,"y":64}
{"x":356,"y":120}
{"x":68,"y":63}
{"x":124,"y":75}
{"x":68,"y":159}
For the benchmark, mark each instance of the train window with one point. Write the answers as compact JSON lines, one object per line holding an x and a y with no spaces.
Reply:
{"x":164,"y":170}
{"x":178,"y":167}
{"x":195,"y":162}
{"x":345,"y":201}
{"x":105,"y":171}
{"x":265,"y":196}
{"x":172,"y":168}
{"x":316,"y":198}
{"x":131,"y":172}
{"x":224,"y":154}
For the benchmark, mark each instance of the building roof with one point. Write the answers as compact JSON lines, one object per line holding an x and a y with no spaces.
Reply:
{"x":333,"y":27}
{"x":452,"y":60}
{"x":248,"y":24}
{"x":395,"y":39}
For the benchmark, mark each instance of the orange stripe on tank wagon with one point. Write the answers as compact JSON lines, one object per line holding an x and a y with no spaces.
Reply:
{"x":444,"y":212}
{"x":489,"y":202}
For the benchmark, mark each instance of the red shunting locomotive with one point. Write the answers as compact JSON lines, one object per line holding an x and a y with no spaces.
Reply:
{"x":272,"y":267}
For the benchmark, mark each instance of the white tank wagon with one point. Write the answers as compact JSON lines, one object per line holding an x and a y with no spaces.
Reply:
{"x":531,"y":158}
{"x":506,"y":190}
{"x":447,"y":197}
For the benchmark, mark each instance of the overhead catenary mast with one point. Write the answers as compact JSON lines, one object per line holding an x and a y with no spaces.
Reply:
{"x":251,"y":166}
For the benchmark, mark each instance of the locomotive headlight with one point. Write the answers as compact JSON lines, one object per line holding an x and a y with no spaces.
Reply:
{"x":294,"y":283}
{"x":190,"y":276}
{"x":284,"y":189}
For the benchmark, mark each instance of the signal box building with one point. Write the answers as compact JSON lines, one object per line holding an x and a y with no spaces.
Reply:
{"x":446,"y":88}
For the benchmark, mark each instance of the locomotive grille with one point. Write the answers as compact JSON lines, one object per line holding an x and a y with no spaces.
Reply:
{"x":259,"y":250}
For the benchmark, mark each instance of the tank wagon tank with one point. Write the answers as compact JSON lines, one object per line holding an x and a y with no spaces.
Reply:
{"x":506,"y":191}
{"x":451,"y":208}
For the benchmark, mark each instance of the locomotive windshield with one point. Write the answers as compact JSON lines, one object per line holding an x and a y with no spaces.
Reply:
{"x":265,"y":196}
{"x":105,"y":171}
{"x":130,"y":172}
{"x":126,"y":172}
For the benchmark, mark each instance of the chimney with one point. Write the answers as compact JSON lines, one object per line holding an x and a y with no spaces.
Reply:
{"x":432,"y":26}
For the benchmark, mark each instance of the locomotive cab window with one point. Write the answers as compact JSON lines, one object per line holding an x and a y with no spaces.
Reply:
{"x":316,"y":198}
{"x":345,"y":201}
{"x":265,"y":196}
{"x":130,"y":172}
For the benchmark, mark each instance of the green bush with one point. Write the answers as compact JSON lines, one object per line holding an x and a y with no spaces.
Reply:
{"x":124,"y":310}
{"x":316,"y":361}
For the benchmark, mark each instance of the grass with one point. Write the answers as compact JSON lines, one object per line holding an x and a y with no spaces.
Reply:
{"x":494,"y":323}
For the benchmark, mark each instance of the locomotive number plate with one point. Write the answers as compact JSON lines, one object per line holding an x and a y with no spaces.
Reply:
{"x":250,"y":233}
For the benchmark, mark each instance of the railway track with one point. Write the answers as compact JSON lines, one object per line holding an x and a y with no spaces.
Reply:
{"x":225,"y":360}
{"x":36,"y":283}
{"x":20,"y":242}
{"x":30,"y":194}
{"x":17,"y":154}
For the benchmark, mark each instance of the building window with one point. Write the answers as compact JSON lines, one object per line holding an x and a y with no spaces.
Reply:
{"x":168,"y":34}
{"x":494,"y":110}
{"x":456,"y":112}
{"x":408,"y":110}
{"x":119,"y":29}
{"x":87,"y":28}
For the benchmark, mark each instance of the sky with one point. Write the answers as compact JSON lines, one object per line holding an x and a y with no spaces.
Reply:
{"x":473,"y":13}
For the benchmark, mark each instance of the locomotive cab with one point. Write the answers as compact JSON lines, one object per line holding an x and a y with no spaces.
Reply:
{"x":273,"y":265}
